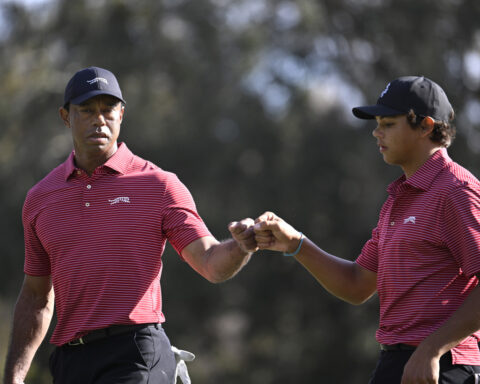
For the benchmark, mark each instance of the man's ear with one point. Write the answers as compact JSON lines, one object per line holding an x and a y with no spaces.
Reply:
{"x":122,"y":112}
{"x":427,"y":125}
{"x":64,"y":116}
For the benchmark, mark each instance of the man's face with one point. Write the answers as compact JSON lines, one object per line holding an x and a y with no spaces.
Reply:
{"x":397,"y":140}
{"x":95,"y":125}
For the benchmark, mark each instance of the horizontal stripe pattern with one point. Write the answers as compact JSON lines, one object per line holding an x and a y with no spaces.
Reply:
{"x":101,"y":238}
{"x":425,"y":251}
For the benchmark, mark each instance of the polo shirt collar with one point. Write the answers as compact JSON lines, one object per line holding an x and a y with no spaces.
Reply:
{"x":119,"y":162}
{"x":425,"y":175}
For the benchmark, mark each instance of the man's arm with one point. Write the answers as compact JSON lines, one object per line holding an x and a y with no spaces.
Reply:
{"x":342,"y":278}
{"x":32,"y":317}
{"x":423,"y":366}
{"x":219,"y":261}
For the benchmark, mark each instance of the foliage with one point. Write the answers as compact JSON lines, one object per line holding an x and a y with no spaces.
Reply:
{"x":248,"y":101}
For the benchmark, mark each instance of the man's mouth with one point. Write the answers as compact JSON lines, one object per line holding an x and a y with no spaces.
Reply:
{"x":98,"y":138}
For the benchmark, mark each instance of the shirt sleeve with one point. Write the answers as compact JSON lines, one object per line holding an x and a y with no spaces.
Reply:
{"x":37,"y":262}
{"x":181,"y":223}
{"x":461,"y":230}
{"x":368,"y":258}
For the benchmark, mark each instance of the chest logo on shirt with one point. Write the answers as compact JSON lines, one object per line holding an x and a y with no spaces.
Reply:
{"x":410,"y":219}
{"x":122,"y":199}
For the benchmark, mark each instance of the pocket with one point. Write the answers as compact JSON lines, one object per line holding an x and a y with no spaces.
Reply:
{"x":165,"y":358}
{"x":145,"y":345}
{"x":164,"y":347}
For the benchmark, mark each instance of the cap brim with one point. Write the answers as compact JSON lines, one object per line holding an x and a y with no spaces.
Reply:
{"x":89,"y":95}
{"x":370,"y":111}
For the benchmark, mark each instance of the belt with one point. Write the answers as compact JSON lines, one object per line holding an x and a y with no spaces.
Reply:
{"x":397,"y":347}
{"x":99,"y":334}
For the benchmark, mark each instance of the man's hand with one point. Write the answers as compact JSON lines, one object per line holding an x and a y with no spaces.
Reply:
{"x":275,"y":234}
{"x":242,"y":232}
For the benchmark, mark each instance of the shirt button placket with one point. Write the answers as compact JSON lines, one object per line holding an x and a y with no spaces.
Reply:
{"x":89,"y":187}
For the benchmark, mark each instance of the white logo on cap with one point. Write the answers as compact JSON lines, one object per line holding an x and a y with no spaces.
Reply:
{"x":385,"y":90}
{"x":97,"y":79}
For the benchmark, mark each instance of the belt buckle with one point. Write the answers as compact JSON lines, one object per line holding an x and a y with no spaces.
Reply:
{"x":75,"y":342}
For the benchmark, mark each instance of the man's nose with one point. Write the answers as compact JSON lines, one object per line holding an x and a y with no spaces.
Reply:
{"x":99,"y":119}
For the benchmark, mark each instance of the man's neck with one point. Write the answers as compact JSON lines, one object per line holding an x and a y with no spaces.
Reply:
{"x":90,"y":161}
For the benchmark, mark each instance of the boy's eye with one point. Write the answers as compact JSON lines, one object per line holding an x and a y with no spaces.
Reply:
{"x":386,"y":124}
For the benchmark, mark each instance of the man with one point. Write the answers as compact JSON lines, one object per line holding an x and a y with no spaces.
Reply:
{"x":95,"y":230}
{"x":423,"y":257}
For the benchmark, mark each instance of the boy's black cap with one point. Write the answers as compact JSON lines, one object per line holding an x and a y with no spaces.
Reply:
{"x":422,"y":95}
{"x":90,"y":82}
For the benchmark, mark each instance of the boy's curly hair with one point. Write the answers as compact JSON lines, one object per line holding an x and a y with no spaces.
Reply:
{"x":443,"y":133}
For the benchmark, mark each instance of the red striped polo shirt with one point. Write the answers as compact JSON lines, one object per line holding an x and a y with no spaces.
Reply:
{"x":101,"y":238}
{"x":425,"y":251}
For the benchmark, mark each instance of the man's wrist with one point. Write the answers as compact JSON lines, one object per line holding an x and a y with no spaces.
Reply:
{"x":297,"y":244}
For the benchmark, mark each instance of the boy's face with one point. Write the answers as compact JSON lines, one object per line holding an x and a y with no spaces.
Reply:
{"x":398,"y":142}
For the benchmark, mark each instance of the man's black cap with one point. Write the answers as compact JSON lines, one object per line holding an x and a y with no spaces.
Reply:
{"x":90,"y":82}
{"x":417,"y":93}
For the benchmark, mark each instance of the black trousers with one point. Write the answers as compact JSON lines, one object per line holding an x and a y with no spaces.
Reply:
{"x":390,"y":366}
{"x":136,"y":357}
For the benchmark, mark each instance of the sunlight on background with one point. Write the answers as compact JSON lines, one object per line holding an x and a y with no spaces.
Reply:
{"x":276,"y":71}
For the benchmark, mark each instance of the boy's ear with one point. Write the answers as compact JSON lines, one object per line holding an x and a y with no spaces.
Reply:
{"x":428,"y":124}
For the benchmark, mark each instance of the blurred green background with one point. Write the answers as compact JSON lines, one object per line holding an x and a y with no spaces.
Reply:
{"x":249,"y":102}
